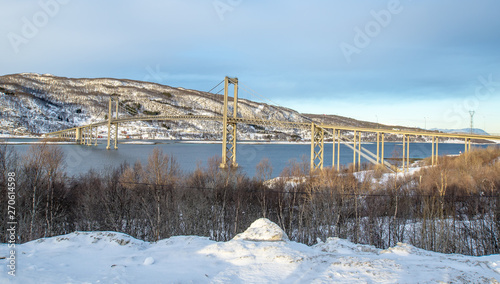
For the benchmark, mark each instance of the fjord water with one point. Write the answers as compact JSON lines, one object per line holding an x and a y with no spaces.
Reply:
{"x":79,"y":158}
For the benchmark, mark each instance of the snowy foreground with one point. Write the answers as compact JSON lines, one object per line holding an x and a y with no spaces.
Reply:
{"x":262,"y":254}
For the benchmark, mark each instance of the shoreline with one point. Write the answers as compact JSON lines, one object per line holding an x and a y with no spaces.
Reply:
{"x":5,"y":140}
{"x":157,"y":142}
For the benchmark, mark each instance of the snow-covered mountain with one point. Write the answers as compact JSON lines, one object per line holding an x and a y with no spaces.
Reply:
{"x":34,"y":103}
{"x":477,"y":131}
{"x":42,"y":103}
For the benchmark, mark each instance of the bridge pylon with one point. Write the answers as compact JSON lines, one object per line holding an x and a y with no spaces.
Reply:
{"x":112,"y":127}
{"x":317,"y":146}
{"x":78,"y":135}
{"x":229,"y":132}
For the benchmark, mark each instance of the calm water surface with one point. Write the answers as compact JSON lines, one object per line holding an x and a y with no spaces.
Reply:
{"x":80,"y":159}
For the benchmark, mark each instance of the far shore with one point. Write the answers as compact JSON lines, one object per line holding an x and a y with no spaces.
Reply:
{"x":39,"y":140}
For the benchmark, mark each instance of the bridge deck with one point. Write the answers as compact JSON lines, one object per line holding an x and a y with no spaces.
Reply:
{"x":286,"y":124}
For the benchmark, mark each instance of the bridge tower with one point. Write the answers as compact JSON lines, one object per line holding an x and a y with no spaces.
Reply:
{"x":229,"y":126}
{"x":112,"y":127}
{"x":318,"y":146}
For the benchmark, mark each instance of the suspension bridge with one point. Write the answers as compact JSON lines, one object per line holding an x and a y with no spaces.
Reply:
{"x":230,"y":119}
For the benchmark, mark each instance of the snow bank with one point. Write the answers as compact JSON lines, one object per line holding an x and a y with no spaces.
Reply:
{"x":261,"y":254}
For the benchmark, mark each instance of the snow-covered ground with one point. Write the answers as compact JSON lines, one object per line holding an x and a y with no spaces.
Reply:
{"x":261,"y":254}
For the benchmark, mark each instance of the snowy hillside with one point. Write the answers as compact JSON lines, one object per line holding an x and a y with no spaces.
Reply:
{"x":43,"y":103}
{"x":261,"y":254}
{"x":477,"y":131}
{"x":34,"y":103}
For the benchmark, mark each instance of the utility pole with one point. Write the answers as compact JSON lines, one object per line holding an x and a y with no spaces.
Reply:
{"x":471,"y":112}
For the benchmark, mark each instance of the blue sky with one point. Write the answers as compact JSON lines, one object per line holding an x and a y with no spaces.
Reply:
{"x":415,"y":63}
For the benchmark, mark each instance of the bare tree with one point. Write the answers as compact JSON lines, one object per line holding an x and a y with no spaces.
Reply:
{"x":264,"y":172}
{"x":161,"y":174}
{"x":53,"y":159}
{"x":33,"y":169}
{"x":42,"y":174}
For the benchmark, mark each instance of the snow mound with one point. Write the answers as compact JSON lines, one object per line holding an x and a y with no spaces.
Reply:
{"x":96,"y":239}
{"x":263,"y":230}
{"x":149,"y":261}
{"x":109,"y":257}
{"x":406,"y":249}
{"x":344,"y":247}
